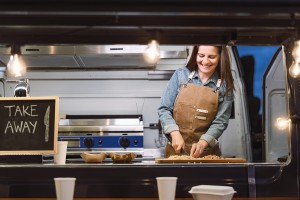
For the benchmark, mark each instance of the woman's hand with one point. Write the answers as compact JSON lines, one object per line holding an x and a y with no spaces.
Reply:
{"x":198,"y":148}
{"x":177,"y":141}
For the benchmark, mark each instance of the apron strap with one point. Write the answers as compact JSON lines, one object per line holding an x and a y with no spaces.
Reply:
{"x":192,"y":75}
{"x":190,"y":78}
{"x":218,"y":85}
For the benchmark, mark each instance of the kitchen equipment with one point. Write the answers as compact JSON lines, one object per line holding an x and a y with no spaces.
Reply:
{"x":117,"y":56}
{"x":22,"y":89}
{"x":102,"y":133}
{"x":212,"y":192}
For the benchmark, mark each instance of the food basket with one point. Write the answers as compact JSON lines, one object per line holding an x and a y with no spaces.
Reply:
{"x":122,"y":158}
{"x":93,"y":157}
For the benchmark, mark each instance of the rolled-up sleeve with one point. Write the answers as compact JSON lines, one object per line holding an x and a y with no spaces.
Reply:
{"x":165,"y":111}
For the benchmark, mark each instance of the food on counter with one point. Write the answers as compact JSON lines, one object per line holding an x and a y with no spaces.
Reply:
{"x":122,"y":158}
{"x":185,"y":157}
{"x":181,"y":157}
{"x":204,"y":159}
{"x":93,"y":157}
{"x":212,"y":157}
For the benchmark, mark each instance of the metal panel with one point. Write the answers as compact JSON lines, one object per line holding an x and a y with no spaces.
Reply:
{"x":275,"y":106}
{"x":92,"y":56}
{"x":238,"y":130}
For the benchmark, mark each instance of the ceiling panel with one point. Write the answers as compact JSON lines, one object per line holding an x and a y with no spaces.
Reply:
{"x":136,"y":22}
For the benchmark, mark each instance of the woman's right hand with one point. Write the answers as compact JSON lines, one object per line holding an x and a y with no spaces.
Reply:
{"x":177,"y":141}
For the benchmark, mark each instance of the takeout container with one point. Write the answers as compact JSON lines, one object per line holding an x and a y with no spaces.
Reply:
{"x":122,"y":158}
{"x":212,"y":192}
{"x":93,"y":157}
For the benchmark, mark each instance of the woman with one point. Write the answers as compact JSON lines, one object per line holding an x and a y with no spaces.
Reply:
{"x":196,"y":105}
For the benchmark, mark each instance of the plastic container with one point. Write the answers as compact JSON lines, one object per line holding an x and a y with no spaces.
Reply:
{"x":212,"y":192}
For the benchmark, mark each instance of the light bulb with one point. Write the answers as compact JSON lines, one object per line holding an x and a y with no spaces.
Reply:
{"x":16,"y":66}
{"x":152,"y":52}
{"x":294,"y":70}
{"x":282,"y":123}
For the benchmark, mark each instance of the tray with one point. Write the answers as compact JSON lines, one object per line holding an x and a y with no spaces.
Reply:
{"x":201,"y":160}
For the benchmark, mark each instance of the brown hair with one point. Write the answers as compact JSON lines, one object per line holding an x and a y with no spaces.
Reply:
{"x":223,"y":67}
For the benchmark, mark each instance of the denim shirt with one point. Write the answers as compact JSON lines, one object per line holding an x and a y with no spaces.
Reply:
{"x":165,"y":111}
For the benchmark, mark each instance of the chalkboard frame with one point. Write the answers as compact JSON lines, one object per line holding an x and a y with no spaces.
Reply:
{"x":53,"y":122}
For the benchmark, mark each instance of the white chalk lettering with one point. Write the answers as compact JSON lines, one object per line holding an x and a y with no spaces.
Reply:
{"x":25,"y":111}
{"x":9,"y":109}
{"x":9,"y":126}
{"x":22,"y":111}
{"x":33,"y":110}
{"x":20,"y":127}
{"x":18,"y":110}
{"x":33,"y":126}
{"x":26,"y":127}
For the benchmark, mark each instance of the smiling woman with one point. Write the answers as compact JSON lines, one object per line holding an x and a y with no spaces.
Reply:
{"x":207,"y":72}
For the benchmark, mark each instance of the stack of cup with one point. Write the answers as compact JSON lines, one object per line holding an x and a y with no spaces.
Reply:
{"x":64,"y":187}
{"x":61,"y":154}
{"x":166,"y":187}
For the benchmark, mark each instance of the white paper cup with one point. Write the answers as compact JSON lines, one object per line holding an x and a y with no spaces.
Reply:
{"x":64,"y":188}
{"x":60,"y":156}
{"x":166,"y":187}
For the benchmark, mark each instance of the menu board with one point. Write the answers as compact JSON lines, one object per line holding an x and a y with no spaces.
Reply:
{"x":28,"y":125}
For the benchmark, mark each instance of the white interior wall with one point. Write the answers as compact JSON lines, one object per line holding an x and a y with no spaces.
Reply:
{"x":110,"y":93}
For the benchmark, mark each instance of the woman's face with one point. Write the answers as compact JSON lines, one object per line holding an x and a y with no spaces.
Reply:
{"x":207,"y":59}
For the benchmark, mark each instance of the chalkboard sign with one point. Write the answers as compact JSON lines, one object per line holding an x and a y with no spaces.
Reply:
{"x":28,"y":125}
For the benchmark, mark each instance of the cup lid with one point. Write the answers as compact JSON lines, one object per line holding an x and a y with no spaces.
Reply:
{"x":65,"y":178}
{"x":165,"y":178}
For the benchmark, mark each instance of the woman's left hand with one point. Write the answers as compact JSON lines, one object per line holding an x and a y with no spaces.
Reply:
{"x":198,"y":148}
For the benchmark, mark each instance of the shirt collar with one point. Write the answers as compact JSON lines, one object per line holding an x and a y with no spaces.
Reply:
{"x":214,"y":78}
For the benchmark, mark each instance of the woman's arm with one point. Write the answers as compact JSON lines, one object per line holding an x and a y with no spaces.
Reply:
{"x":220,"y":123}
{"x":165,"y":111}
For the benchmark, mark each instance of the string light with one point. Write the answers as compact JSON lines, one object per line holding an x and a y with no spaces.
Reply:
{"x":294,"y":70}
{"x":16,"y":66}
{"x":152,"y":52}
{"x":282,"y":123}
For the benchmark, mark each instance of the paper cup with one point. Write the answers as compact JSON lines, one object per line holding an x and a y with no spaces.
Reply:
{"x":61,"y":154}
{"x":64,"y":188}
{"x":166,"y":187}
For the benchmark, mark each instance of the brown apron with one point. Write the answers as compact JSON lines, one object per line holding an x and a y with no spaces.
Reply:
{"x":195,"y":108}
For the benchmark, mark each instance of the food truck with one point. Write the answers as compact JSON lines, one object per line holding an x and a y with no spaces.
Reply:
{"x":88,"y":57}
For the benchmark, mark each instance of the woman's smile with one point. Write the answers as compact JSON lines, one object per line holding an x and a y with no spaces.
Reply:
{"x":207,"y":61}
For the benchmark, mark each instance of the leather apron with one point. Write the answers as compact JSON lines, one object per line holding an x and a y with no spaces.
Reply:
{"x":195,"y":108}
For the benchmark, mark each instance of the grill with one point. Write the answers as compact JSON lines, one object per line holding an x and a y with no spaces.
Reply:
{"x":102,"y":133}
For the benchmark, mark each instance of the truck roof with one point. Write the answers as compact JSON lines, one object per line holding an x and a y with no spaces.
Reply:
{"x":241,"y":22}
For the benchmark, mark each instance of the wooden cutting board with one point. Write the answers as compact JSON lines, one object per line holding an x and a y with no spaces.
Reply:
{"x":201,"y":160}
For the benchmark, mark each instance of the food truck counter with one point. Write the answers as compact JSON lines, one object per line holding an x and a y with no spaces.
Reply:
{"x":266,"y":198}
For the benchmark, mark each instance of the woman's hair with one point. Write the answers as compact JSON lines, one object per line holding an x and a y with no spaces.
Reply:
{"x":223,"y":67}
